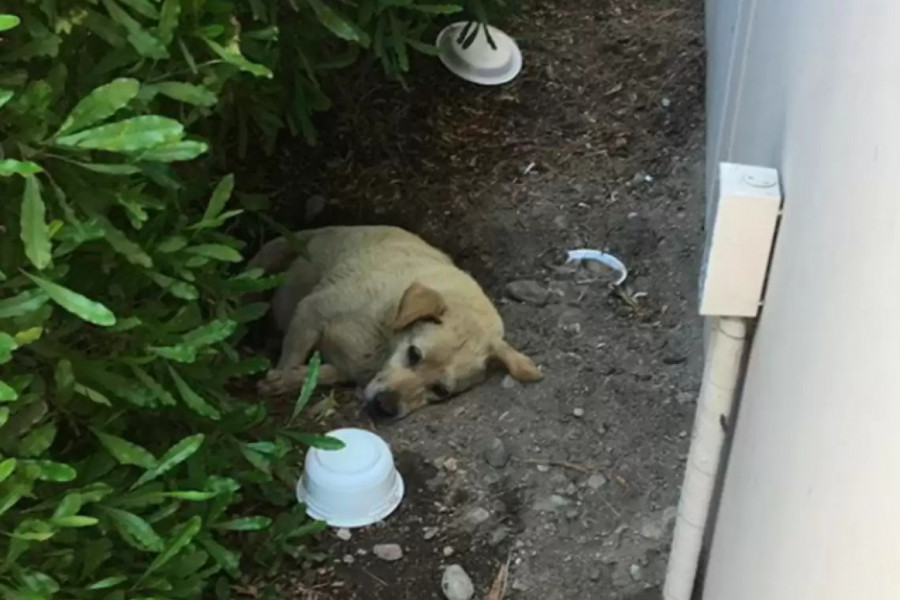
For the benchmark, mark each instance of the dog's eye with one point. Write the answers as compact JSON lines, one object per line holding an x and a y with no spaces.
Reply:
{"x":413,"y":356}
{"x":440,"y":391}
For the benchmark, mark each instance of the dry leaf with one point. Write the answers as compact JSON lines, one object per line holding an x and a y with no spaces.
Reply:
{"x":498,"y":589}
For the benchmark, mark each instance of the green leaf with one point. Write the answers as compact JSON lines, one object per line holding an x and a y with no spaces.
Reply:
{"x":190,"y":495}
{"x":212,"y":333}
{"x":22,"y":304}
{"x":309,"y":384}
{"x":7,"y":466}
{"x":125,"y":452}
{"x":130,"y":135}
{"x":100,"y":104}
{"x":245,"y":524}
{"x":176,"y":287}
{"x":220,"y":197}
{"x":108,"y":169}
{"x":7,"y":394}
{"x":177,"y":454}
{"x":69,"y":505}
{"x":216,"y":252}
{"x":7,"y":345}
{"x":25,"y":168}
{"x":5,"y":96}
{"x":187,"y":93}
{"x":34,"y":530}
{"x":161,"y":393}
{"x":37,"y":441}
{"x":34,"y":232}
{"x":75,"y":303}
{"x":182,"y":536}
{"x":91,"y":394}
{"x":436,"y":9}
{"x":74,"y":521}
{"x":168,"y":20}
{"x":136,"y":532}
{"x":337,"y":24}
{"x":322,"y":442}
{"x":235,"y":58}
{"x":175,"y":151}
{"x":182,"y":354}
{"x":228,"y":560}
{"x":52,"y":471}
{"x":218,"y":221}
{"x":143,"y":41}
{"x":107,"y":582}
{"x":142,"y":7}
{"x":8,"y":22}
{"x":124,"y":246}
{"x":192,"y":399}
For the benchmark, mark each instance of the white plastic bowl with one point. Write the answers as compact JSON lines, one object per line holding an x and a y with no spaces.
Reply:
{"x":352,"y":487}
{"x":480,"y":63}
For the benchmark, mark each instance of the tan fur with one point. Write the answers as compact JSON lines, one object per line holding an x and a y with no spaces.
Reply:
{"x":362,"y":296}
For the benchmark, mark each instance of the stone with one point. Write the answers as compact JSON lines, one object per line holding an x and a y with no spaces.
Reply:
{"x":499,"y":535}
{"x":578,"y":412}
{"x":508,"y":383}
{"x":496,"y":454}
{"x":343,"y":534}
{"x":448,"y":551}
{"x":388,"y":552}
{"x":596,"y":481}
{"x":429,"y":533}
{"x":348,"y":559}
{"x":527,"y":291}
{"x":477,"y":516}
{"x":456,"y":584}
{"x":636,"y":572}
{"x":551,"y":503}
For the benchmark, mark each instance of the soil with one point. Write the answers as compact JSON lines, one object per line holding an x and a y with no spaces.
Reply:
{"x":598,"y":144}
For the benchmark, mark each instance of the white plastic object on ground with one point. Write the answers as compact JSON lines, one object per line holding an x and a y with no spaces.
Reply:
{"x":352,"y":487}
{"x":480,"y":63}
{"x":601,"y":257}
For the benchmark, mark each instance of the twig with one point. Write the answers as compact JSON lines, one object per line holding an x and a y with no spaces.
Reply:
{"x":375,"y":577}
{"x":558,"y":463}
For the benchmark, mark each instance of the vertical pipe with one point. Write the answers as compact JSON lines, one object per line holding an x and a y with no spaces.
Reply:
{"x":722,"y":371}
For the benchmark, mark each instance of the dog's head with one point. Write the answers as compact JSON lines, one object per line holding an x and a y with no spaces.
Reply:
{"x":437,"y":352}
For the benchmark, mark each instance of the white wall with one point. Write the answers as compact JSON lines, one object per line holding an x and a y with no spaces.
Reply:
{"x":811,"y":502}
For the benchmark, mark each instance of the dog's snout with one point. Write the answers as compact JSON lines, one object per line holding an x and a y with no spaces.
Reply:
{"x":385,"y":405}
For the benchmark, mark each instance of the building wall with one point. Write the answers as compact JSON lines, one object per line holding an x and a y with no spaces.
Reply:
{"x":810,"y":508}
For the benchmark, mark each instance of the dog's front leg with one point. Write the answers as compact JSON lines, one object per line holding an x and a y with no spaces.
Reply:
{"x":303,"y":335}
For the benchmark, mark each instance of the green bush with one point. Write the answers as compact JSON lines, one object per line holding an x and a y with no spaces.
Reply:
{"x":128,"y":467}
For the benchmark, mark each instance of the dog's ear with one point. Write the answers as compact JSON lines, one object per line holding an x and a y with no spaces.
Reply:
{"x":418,"y":303}
{"x":520,"y":367}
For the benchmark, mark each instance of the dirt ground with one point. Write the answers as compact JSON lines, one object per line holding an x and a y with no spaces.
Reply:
{"x":598,"y":144}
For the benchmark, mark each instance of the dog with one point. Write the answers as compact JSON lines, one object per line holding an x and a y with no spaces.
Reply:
{"x":387,"y":312}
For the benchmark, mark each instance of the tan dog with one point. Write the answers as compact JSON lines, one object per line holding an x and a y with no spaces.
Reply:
{"x":388,"y":312}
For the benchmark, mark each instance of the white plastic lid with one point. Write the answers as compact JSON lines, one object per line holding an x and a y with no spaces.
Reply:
{"x":352,"y":487}
{"x":480,"y":62}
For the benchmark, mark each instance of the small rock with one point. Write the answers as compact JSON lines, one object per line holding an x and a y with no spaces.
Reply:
{"x":527,"y":291}
{"x":652,"y":530}
{"x":388,"y":552}
{"x":543,"y":468}
{"x":578,"y":412}
{"x":348,"y":559}
{"x":343,"y":534}
{"x":496,"y":454}
{"x":636,"y":572}
{"x":572,"y":514}
{"x":477,"y":516}
{"x":685,"y":398}
{"x":499,"y":535}
{"x":666,"y":102}
{"x":596,"y":481}
{"x":456,"y":584}
{"x":429,"y":533}
{"x":596,"y":574}
{"x":508,"y":383}
{"x":551,"y":503}
{"x":451,"y":464}
{"x":570,"y":320}
{"x":448,"y":551}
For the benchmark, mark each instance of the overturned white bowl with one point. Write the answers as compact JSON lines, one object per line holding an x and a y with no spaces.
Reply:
{"x":355,"y":486}
{"x":480,"y":62}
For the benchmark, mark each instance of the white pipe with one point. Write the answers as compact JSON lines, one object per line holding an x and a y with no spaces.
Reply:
{"x":722,"y":371}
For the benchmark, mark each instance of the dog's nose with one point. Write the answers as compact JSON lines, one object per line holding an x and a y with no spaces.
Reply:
{"x":384,"y":405}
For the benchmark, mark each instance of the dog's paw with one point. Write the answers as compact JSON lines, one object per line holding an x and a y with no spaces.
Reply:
{"x":279,"y":382}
